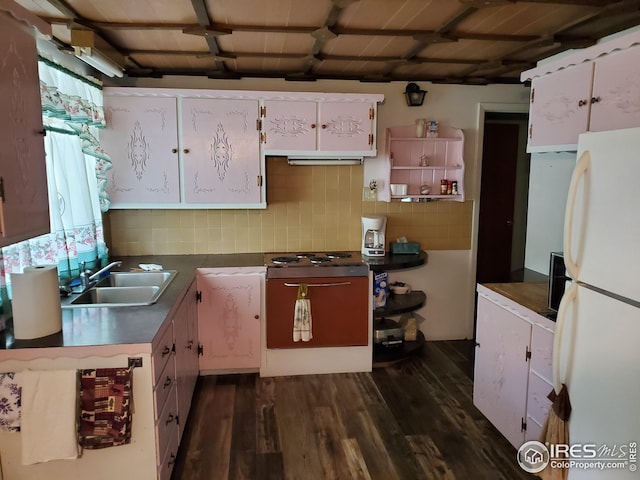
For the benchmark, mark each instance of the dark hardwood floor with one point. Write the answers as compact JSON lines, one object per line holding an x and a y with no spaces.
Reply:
{"x":413,"y":420}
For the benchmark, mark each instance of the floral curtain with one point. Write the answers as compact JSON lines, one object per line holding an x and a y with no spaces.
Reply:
{"x":76,"y":165}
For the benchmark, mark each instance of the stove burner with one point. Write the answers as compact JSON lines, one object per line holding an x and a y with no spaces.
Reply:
{"x":319,"y":260}
{"x":284,"y":260}
{"x":305,"y":255}
{"x":338,"y":255}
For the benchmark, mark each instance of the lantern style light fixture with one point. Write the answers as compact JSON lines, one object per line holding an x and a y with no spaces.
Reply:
{"x":415,"y":96}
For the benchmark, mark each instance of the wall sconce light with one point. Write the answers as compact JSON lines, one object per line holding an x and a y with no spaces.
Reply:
{"x":415,"y":96}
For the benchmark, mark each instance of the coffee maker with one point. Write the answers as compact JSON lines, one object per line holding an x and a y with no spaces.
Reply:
{"x":373,"y":235}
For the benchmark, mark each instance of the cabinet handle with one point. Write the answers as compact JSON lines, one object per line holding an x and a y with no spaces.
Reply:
{"x":595,"y":99}
{"x":174,"y":150}
{"x":166,"y":350}
{"x":167,"y":382}
{"x":172,"y":459}
{"x":190,"y":344}
{"x":186,"y":150}
{"x":169,"y":419}
{"x":337,"y":284}
{"x":582,"y":103}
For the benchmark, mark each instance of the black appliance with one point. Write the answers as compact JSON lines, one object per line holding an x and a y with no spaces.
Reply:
{"x":557,"y":280}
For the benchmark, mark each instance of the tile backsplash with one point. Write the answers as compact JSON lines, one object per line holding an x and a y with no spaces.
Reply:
{"x":308,"y":208}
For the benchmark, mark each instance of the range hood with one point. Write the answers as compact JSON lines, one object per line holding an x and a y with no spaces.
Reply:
{"x":315,"y":160}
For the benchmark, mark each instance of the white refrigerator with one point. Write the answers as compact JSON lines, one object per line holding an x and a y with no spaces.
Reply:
{"x":597,"y":343}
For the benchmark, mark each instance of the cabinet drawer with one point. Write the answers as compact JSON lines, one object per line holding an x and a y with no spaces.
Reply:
{"x":167,"y":423}
{"x":162,"y":352}
{"x":163,"y":388}
{"x":165,"y":467}
{"x":537,"y":402}
{"x":541,"y":352}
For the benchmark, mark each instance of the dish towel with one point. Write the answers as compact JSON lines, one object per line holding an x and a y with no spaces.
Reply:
{"x":105,"y":407}
{"x":10,"y":398}
{"x":49,"y":412}
{"x":302,"y":315}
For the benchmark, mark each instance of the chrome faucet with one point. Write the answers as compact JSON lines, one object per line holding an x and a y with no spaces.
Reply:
{"x":87,"y":278}
{"x":94,"y":277}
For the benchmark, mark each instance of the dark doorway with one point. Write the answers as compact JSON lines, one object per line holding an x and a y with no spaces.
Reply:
{"x":503,"y":198}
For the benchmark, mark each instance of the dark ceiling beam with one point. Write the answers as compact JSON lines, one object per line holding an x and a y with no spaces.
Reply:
{"x":324,"y":34}
{"x":337,"y":30}
{"x":202,"y":14}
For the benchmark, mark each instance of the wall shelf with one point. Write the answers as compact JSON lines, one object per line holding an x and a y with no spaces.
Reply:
{"x":444,"y":161}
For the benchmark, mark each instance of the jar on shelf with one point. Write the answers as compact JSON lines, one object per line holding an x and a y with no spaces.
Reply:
{"x":420,"y":128}
{"x":443,"y":186}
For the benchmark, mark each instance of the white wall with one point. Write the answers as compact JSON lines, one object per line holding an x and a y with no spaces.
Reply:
{"x":450,"y":304}
{"x":549,"y":178}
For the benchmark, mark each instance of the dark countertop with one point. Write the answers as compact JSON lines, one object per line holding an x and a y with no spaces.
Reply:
{"x":97,"y":326}
{"x":396,"y":262}
{"x":129,"y":325}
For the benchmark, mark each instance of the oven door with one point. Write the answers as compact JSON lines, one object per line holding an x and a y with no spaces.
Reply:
{"x":339,"y":311}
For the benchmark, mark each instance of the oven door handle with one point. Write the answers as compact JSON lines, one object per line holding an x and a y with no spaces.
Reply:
{"x":336,"y":284}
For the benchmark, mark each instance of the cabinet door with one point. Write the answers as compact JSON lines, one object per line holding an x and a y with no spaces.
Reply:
{"x":24,"y":203}
{"x":501,"y":369}
{"x":229,"y":321}
{"x":615,"y":101}
{"x":221,"y":151}
{"x":290,"y":125}
{"x":185,"y":326}
{"x":559,"y":109}
{"x":141,"y":139}
{"x":345,"y":126}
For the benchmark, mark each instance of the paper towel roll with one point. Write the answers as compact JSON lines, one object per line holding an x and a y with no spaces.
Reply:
{"x":36,"y":302}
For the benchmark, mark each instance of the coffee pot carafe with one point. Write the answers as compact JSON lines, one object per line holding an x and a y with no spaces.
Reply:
{"x":373,"y":235}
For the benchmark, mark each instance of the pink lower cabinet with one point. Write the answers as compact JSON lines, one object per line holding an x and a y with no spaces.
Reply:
{"x":512,"y":376}
{"x":229,"y":318}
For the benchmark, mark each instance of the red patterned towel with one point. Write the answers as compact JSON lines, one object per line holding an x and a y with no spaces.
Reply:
{"x":105,"y":407}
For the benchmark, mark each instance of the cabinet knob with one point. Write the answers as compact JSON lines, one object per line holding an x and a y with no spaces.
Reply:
{"x":186,"y":150}
{"x":167,"y":382}
{"x":324,"y":126}
{"x":169,"y":419}
{"x":582,"y":103}
{"x":174,"y":150}
{"x":313,"y":125}
{"x":595,"y":99}
{"x":166,"y":350}
{"x":256,"y":317}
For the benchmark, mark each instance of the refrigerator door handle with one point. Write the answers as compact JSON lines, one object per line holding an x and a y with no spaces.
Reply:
{"x":582,"y":167}
{"x":568,"y":298}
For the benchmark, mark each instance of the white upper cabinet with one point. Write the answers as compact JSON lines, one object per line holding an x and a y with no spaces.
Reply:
{"x":289,"y":125}
{"x":24,"y":203}
{"x":615,"y":99}
{"x":142,"y":141}
{"x":320,"y":125}
{"x":559,"y":107}
{"x":593,"y":89}
{"x":183,"y":149}
{"x":221,"y":151}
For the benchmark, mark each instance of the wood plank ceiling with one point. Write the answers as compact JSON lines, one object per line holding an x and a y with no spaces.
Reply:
{"x":446,"y":41}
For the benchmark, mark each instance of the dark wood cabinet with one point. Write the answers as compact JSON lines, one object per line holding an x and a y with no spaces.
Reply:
{"x":340,"y":311}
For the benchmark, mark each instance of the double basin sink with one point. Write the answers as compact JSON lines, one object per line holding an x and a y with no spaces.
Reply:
{"x":124,"y":289}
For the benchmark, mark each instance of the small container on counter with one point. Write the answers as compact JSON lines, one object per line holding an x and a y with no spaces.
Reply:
{"x":444,"y":184}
